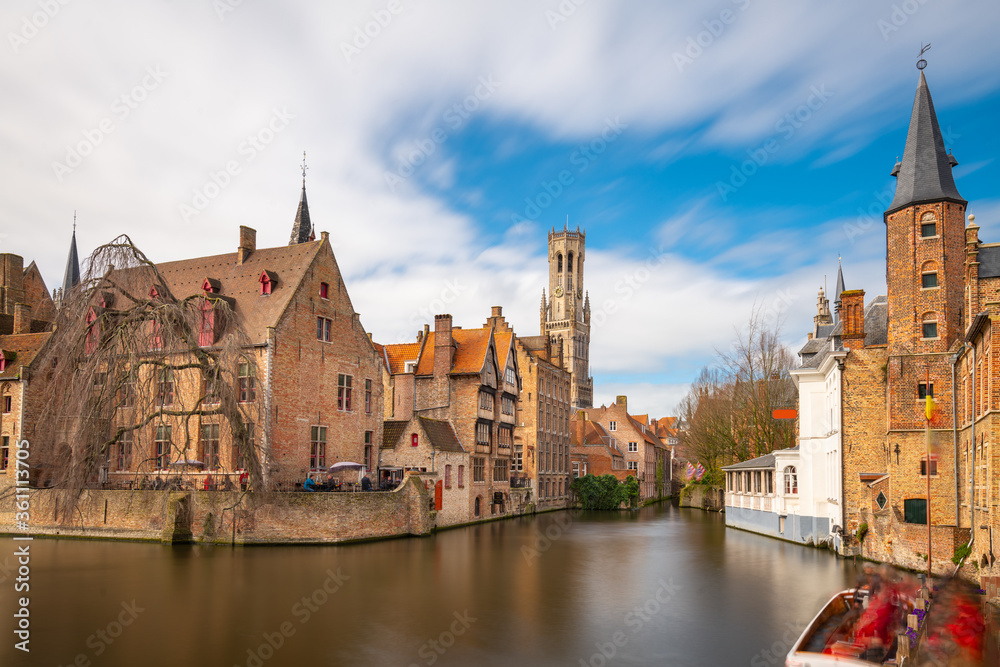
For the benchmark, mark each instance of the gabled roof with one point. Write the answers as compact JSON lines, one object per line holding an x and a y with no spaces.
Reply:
{"x":502,"y":341}
{"x":924,"y":175}
{"x":391,"y":430}
{"x":396,"y":356}
{"x":25,"y":348}
{"x":441,"y":434}
{"x":471,"y":346}
{"x":241,"y":281}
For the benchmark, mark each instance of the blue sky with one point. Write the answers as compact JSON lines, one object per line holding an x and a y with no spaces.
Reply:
{"x":444,"y":139}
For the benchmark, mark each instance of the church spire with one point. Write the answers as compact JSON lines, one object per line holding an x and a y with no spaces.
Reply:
{"x":302,"y":229}
{"x":924,"y":175}
{"x":71,"y":277}
{"x":839,"y":288}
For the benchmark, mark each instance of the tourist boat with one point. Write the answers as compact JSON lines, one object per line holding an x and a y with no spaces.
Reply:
{"x":829,"y":638}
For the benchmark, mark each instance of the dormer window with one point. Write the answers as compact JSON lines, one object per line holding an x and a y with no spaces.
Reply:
{"x":268,"y":280}
{"x":211,"y":286}
{"x":154,"y":293}
{"x":106,"y":300}
{"x":324,"y":291}
{"x":6,"y":359}
{"x":410,"y":367}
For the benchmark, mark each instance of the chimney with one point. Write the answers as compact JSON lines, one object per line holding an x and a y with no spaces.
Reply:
{"x":853,"y":317}
{"x":22,"y":318}
{"x":444,"y":351}
{"x":496,"y":311}
{"x":325,"y":236}
{"x":11,"y":282}
{"x":248,"y":243}
{"x":622,"y":402}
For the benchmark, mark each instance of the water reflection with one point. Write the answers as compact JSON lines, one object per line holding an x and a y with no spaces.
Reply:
{"x":659,"y":586}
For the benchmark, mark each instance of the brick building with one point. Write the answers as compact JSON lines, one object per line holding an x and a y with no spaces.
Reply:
{"x":541,"y":456}
{"x":470,"y":379}
{"x":26,"y":313}
{"x":931,"y":328}
{"x":565,"y":314}
{"x":307,"y":380}
{"x":592,"y":452}
{"x":643,"y":452}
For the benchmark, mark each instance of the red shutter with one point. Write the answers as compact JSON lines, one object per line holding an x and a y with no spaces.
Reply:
{"x":438,"y":496}
{"x":413,"y":440}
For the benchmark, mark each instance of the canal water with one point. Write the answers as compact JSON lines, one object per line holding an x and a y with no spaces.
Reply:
{"x":661,"y":586}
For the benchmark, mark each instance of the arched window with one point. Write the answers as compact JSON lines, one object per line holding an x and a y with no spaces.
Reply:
{"x":559,"y":262}
{"x":478,"y":501}
{"x":928,"y":225}
{"x":928,"y":275}
{"x":791,"y":480}
{"x":569,"y":263}
{"x":929,"y":326}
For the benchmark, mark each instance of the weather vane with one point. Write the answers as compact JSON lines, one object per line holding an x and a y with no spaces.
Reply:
{"x":923,"y":49}
{"x":74,"y":222}
{"x":304,"y":168}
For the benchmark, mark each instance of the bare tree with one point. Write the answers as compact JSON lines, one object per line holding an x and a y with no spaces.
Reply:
{"x":133,"y":373}
{"x":729,"y":408}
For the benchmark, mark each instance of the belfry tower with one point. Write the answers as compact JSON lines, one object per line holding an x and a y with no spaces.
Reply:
{"x":565,"y":314}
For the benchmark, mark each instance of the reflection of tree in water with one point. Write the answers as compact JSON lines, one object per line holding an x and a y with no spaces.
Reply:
{"x":131,"y":375}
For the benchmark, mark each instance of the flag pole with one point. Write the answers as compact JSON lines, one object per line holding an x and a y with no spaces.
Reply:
{"x":928,"y":413}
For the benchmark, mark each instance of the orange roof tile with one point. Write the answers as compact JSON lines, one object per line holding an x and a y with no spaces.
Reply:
{"x":398,"y":354}
{"x":470,"y":351}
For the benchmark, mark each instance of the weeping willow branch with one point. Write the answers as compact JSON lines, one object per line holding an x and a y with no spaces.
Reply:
{"x":137,"y":381}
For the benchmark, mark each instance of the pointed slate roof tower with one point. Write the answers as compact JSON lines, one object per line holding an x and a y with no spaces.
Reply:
{"x":71,"y":277}
{"x":837,"y":290}
{"x":302,"y":229}
{"x":924,"y":175}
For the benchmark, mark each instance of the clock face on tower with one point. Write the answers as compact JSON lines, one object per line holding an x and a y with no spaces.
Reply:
{"x":559,"y":291}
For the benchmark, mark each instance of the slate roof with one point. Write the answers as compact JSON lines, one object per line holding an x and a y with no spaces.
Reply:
{"x":302,"y":230}
{"x":877,"y":321}
{"x":241,"y":281}
{"x":71,"y":276}
{"x":441,"y":434}
{"x":766,"y":461}
{"x":924,"y":175}
{"x":989,"y":261}
{"x":25,"y":348}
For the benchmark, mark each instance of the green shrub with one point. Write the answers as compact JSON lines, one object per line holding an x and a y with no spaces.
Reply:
{"x":605,"y":492}
{"x":961,"y":552}
{"x":862,"y":531}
